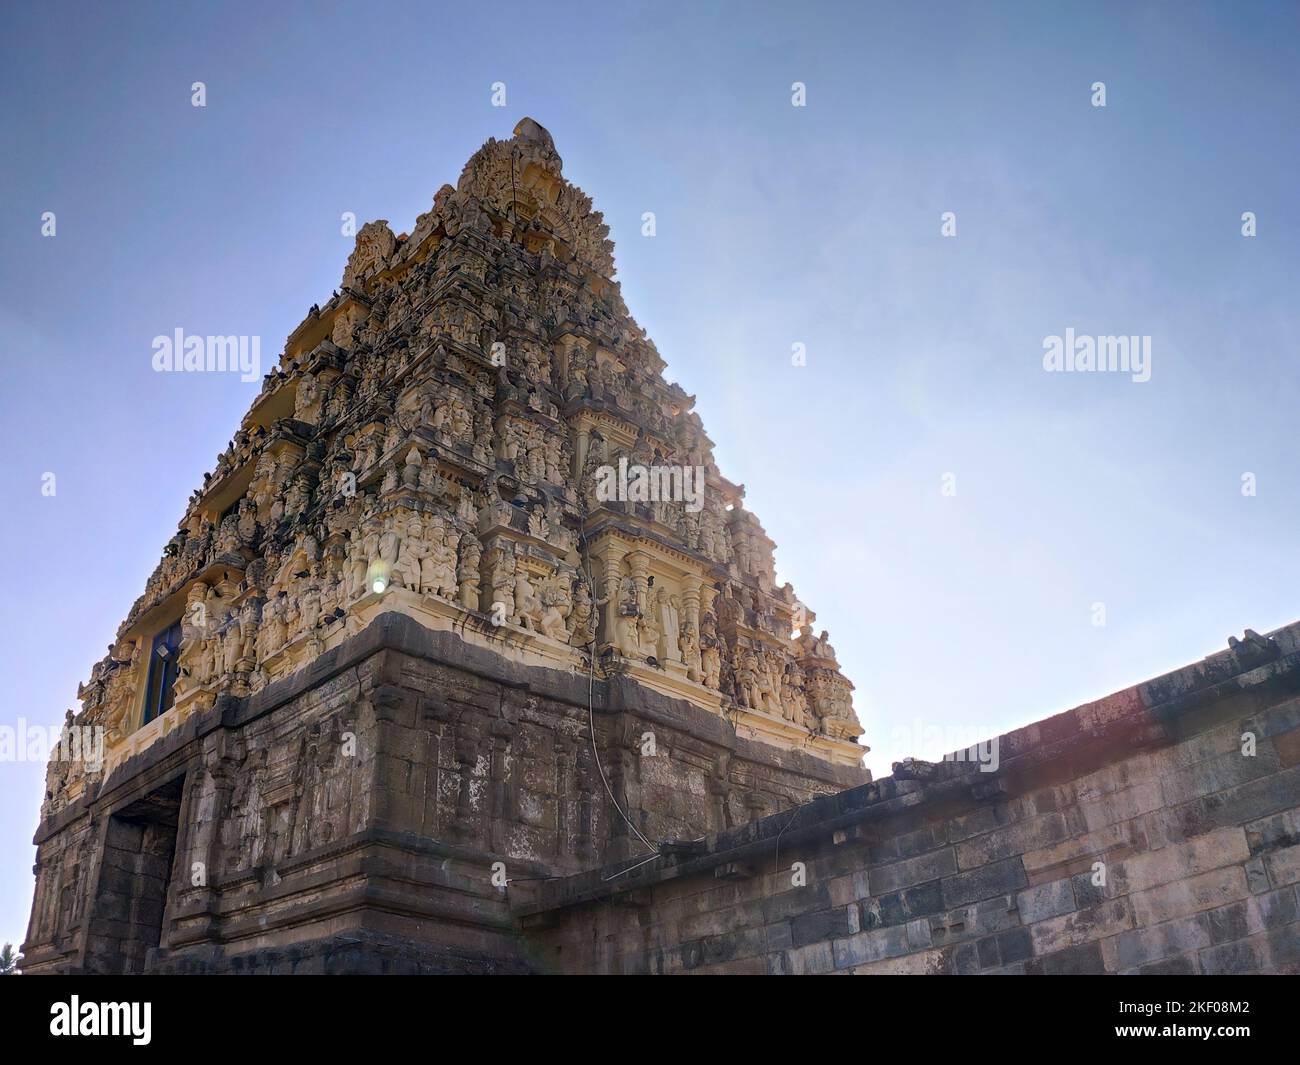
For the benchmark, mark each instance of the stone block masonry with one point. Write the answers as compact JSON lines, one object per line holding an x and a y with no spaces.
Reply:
{"x":250,"y":840}
{"x":1154,"y":831}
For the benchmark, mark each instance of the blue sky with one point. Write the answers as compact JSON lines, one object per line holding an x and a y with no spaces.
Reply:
{"x":776,"y":225}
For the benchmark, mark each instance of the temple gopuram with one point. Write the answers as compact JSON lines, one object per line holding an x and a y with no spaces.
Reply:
{"x":465,"y":604}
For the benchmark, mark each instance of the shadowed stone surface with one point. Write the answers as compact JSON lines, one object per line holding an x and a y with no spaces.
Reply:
{"x":1153,"y":831}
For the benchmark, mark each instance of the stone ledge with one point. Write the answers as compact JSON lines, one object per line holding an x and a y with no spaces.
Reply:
{"x":1145,"y":715}
{"x":363,"y":952}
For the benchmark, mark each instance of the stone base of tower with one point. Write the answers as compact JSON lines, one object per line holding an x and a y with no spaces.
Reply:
{"x":376,"y":810}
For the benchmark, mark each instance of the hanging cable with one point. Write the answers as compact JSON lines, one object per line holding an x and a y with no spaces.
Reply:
{"x":591,"y":688}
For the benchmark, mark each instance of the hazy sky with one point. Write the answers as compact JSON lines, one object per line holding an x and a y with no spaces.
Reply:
{"x":776,"y":225}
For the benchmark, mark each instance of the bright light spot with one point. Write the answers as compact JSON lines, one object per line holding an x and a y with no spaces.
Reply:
{"x":378,"y":586}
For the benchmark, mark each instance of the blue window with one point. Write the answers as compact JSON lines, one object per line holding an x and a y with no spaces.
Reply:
{"x":158,"y":696}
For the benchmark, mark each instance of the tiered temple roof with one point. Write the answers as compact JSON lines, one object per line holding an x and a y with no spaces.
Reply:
{"x":438,"y":439}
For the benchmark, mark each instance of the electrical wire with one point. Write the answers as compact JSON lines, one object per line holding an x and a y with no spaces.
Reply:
{"x":591,"y":692}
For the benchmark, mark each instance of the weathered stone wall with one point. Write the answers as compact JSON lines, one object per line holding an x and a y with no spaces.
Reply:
{"x":348,"y":817}
{"x":948,"y":869}
{"x":1183,"y":792}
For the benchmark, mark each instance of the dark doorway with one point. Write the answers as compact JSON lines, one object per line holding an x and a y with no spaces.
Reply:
{"x":127,"y":910}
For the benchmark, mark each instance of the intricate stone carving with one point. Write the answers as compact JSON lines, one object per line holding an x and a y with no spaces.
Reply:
{"x":440,"y":576}
{"x":528,"y":605}
{"x":375,"y":244}
{"x":557,"y":602}
{"x":467,"y":572}
{"x":447,"y":443}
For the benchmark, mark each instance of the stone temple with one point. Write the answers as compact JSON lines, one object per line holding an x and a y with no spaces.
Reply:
{"x":465,"y":522}
{"x":466,"y":657}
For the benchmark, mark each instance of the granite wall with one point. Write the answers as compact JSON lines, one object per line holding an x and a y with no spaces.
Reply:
{"x":1157,"y":830}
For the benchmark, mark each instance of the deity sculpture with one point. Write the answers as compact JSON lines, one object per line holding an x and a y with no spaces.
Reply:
{"x":389,"y":547}
{"x":194,"y":656}
{"x":583,"y":615}
{"x":467,"y":572}
{"x":413,"y":561}
{"x":440,"y":578}
{"x":556,"y":605}
{"x":528,"y":606}
{"x":690,"y":649}
{"x":500,"y":566}
{"x":669,"y":614}
{"x":307,"y":400}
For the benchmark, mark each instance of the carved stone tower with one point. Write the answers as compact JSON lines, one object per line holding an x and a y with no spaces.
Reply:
{"x":466,"y":592}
